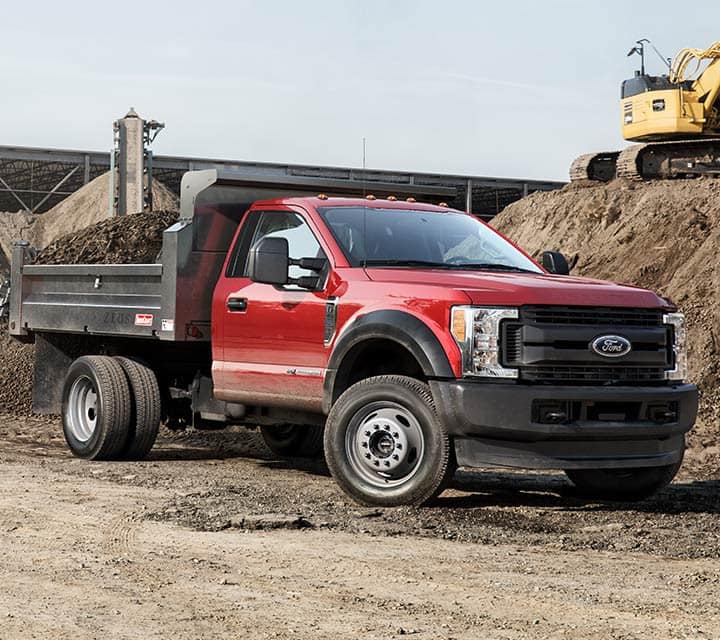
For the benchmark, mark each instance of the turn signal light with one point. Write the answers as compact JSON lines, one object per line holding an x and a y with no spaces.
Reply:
{"x":458,"y":325}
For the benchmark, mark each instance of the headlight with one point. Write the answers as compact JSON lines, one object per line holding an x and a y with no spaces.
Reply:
{"x":680,"y":370}
{"x":477,"y":332}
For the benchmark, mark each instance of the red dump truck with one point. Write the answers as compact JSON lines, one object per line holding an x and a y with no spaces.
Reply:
{"x":402,"y":339}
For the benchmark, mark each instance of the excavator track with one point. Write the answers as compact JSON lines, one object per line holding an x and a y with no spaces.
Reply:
{"x":668,"y":160}
{"x":594,"y":166}
{"x":627,"y":163}
{"x":651,"y":161}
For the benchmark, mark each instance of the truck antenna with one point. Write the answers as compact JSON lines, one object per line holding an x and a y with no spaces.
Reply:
{"x":364,"y":187}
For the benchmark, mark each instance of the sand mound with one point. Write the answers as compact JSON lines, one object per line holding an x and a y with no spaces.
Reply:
{"x":662,"y":235}
{"x":80,"y":210}
{"x":87,"y":206}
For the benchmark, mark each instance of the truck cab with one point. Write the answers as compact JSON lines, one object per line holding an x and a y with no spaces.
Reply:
{"x":423,"y":333}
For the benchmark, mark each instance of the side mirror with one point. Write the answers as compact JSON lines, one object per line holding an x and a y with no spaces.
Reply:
{"x":555,"y":262}
{"x":268,"y":261}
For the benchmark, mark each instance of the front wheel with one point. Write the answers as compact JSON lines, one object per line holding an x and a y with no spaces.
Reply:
{"x":622,"y":485}
{"x":385,"y":445}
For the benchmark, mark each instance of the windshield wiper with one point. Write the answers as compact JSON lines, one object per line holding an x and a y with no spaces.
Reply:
{"x":408,"y":263}
{"x":493,"y":266}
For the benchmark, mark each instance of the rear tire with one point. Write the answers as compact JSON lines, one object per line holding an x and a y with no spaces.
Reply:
{"x":622,"y":485}
{"x":385,"y":445}
{"x":146,"y":409}
{"x":294,"y":440}
{"x":96,"y":408}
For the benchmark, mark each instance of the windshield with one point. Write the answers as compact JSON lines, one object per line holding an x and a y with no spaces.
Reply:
{"x":410,"y":237}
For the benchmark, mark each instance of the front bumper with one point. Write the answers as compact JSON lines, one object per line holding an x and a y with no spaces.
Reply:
{"x":499,"y":424}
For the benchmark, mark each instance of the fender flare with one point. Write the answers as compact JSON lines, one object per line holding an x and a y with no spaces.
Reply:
{"x":407,"y":330}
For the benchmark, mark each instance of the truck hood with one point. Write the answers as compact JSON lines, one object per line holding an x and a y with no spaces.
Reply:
{"x":516,"y":289}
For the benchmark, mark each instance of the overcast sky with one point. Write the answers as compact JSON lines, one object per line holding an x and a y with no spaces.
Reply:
{"x":513,"y":89}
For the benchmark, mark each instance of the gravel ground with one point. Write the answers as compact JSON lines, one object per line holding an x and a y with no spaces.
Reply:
{"x":214,"y":537}
{"x":213,"y":478}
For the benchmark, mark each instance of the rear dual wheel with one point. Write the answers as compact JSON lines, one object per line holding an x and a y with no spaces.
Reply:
{"x":110,"y":408}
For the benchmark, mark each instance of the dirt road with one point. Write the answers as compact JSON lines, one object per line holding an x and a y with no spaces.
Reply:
{"x":161,"y":549}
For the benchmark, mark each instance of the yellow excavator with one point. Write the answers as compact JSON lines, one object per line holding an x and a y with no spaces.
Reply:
{"x":675,"y":116}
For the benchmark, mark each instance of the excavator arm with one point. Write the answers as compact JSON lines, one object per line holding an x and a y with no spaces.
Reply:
{"x":687,"y":68}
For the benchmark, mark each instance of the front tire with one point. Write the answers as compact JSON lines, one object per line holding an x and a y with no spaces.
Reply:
{"x":385,"y":445}
{"x":622,"y":485}
{"x":96,"y":408}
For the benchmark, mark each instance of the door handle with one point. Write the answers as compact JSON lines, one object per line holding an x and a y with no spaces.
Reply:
{"x":237,"y":304}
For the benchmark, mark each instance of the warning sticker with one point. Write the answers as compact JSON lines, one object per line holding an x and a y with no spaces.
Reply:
{"x":143,"y":319}
{"x":168,"y":325}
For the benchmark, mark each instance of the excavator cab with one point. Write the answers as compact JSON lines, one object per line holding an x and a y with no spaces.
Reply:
{"x":654,"y":108}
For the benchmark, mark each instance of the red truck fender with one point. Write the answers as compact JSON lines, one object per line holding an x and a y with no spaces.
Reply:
{"x":406,"y":330}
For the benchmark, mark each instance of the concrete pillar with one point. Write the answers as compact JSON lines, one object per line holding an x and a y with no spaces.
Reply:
{"x":130,"y":164}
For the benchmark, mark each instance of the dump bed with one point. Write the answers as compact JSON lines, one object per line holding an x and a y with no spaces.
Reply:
{"x":171,"y":299}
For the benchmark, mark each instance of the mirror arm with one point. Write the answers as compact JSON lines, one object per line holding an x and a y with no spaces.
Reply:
{"x":311,"y":264}
{"x":305,"y":282}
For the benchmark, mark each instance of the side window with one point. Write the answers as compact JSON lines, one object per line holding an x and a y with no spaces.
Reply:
{"x":301,"y":241}
{"x":238,"y":258}
{"x":274,"y":224}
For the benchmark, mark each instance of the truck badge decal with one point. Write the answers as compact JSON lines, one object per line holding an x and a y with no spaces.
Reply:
{"x":611,"y":346}
{"x":143,"y":319}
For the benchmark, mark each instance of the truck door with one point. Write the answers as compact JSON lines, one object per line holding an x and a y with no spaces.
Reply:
{"x":268,"y":347}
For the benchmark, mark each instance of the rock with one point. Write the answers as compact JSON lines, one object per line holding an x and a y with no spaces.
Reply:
{"x":269,"y":521}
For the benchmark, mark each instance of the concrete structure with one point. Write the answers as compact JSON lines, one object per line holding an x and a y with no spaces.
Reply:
{"x":36,"y":178}
{"x":131,"y":163}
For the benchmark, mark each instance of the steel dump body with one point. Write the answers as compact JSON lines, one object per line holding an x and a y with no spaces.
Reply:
{"x":171,"y":299}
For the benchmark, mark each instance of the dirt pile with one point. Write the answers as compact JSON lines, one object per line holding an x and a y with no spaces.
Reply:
{"x":135,"y":238}
{"x":82,"y":209}
{"x":662,"y":235}
{"x":16,"y":374}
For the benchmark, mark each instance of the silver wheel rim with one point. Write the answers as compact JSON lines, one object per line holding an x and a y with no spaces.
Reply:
{"x":81,"y":412}
{"x":384,"y":444}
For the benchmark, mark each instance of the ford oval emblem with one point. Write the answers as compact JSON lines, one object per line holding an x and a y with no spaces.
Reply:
{"x":611,"y":346}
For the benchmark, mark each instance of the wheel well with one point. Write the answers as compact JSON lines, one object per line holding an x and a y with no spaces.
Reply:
{"x":375,"y":357}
